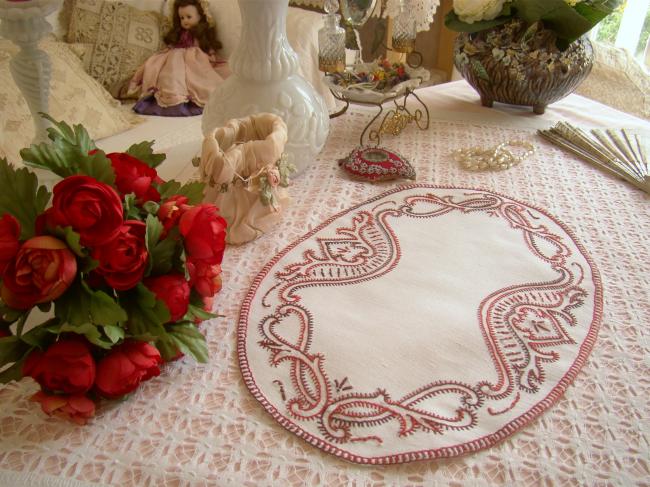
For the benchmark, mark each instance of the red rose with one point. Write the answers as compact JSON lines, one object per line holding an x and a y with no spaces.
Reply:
{"x":204,"y":232}
{"x":173,"y":290}
{"x":41,"y":271}
{"x":77,"y":407}
{"x":128,"y":364}
{"x":205,"y":278}
{"x":91,"y":208}
{"x":171,"y":210}
{"x":9,"y":244}
{"x":134,"y":176}
{"x":123,"y":260}
{"x":66,"y":366}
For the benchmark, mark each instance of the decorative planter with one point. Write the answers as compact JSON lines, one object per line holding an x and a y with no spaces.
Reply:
{"x":265,"y":79}
{"x":246,"y":174}
{"x":521,"y":66}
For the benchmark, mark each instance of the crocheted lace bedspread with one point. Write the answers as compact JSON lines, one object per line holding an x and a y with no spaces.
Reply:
{"x":197,"y":425}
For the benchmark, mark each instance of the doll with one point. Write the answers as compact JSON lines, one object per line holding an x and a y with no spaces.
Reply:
{"x":177,"y":81}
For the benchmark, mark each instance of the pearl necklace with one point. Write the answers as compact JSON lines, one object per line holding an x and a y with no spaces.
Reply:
{"x":496,"y":158}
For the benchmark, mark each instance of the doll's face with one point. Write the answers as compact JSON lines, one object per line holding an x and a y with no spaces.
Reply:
{"x":189,"y":16}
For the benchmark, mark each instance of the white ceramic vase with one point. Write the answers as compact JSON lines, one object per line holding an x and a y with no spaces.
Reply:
{"x":24,"y":24}
{"x":265,"y":79}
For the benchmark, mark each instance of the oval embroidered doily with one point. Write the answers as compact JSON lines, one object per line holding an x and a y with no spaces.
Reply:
{"x":426,"y":322}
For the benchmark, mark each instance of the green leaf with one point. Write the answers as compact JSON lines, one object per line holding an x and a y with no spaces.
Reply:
{"x":131,"y":209}
{"x":90,"y":331}
{"x":151,"y":207}
{"x":189,"y":340}
{"x":97,"y":166}
{"x":21,"y":197}
{"x":146,"y":314}
{"x":452,"y":22}
{"x":557,"y":15}
{"x":143,"y":151}
{"x":74,"y":305}
{"x":193,"y":191}
{"x":479,"y":70}
{"x":80,"y":305}
{"x":12,"y":349}
{"x":9,"y":315}
{"x":114,"y":333}
{"x":87,"y":264}
{"x":77,"y":135}
{"x":161,"y":257}
{"x":152,"y":235}
{"x":71,"y":238}
{"x":41,"y":336}
{"x":15,"y":372}
{"x":104,"y":310}
{"x":198,"y":312}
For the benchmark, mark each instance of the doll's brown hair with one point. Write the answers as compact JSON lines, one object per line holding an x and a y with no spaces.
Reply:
{"x":203,"y":32}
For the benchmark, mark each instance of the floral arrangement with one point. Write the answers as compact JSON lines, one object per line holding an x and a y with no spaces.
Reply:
{"x":567,"y":19}
{"x":383,"y":76}
{"x":126,"y":264}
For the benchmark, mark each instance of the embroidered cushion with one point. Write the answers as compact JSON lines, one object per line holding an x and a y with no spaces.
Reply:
{"x":376,"y":164}
{"x":74,"y":97}
{"x":122,"y":38}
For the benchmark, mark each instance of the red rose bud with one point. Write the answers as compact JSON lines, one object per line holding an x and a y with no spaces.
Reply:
{"x":204,"y":231}
{"x":171,"y":210}
{"x":91,"y":208}
{"x":76,"y":407}
{"x":41,"y":272}
{"x":173,"y":290}
{"x":134,"y":176}
{"x":66,"y":366}
{"x":123,"y":260}
{"x":125,"y":366}
{"x":205,"y":278}
{"x":9,"y":244}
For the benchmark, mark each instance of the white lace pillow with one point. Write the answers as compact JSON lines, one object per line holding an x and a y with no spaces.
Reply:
{"x":74,"y":97}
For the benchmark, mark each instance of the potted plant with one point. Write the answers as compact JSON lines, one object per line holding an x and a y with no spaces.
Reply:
{"x":525,"y":52}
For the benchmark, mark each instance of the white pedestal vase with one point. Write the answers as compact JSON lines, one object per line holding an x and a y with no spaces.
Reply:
{"x":24,"y":24}
{"x":265,"y":79}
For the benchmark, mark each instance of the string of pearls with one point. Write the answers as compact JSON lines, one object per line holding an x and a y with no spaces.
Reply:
{"x":496,"y":158}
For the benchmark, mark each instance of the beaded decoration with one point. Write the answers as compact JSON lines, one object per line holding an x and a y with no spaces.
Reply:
{"x":496,"y":158}
{"x":376,"y":164}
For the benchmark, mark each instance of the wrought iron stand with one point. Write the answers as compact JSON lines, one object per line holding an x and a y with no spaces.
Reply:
{"x":395,"y":119}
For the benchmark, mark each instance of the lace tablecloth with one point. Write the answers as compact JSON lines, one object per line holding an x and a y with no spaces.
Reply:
{"x":197,"y":425}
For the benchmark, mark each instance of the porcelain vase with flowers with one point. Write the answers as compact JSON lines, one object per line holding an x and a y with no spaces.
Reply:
{"x":525,"y":52}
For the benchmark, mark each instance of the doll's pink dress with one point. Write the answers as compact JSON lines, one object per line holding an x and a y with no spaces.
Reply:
{"x":178,"y":80}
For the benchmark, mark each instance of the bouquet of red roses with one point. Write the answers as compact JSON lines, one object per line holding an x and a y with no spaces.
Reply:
{"x":126,"y":264}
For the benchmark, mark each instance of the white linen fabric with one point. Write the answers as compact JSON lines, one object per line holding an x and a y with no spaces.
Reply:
{"x":426,"y":322}
{"x":198,"y":426}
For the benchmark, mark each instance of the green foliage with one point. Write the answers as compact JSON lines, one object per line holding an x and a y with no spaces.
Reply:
{"x":193,"y":191}
{"x":567,"y":22}
{"x":71,"y":238}
{"x":69,"y":154}
{"x":81,"y":305}
{"x":187,"y":338}
{"x":452,"y":22}
{"x":146,"y":314}
{"x":480,"y":70}
{"x":22,"y":197}
{"x":163,"y":256}
{"x":144,"y":152}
